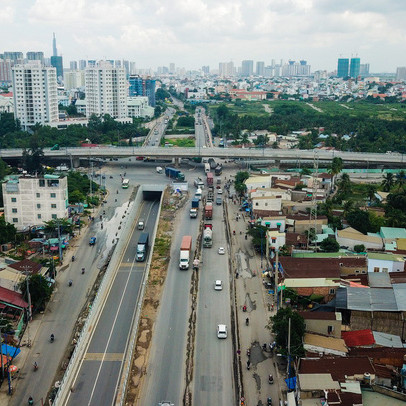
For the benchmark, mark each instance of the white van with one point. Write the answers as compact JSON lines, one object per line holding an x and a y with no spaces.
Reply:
{"x":159,"y":169}
{"x":198,"y":194}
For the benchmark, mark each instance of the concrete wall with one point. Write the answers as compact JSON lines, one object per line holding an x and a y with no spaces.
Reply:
{"x":385,"y":266}
{"x":321,"y":326}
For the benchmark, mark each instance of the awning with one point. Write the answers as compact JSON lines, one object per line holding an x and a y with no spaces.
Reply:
{"x":278,"y":224}
{"x":267,"y":223}
{"x":10,"y":350}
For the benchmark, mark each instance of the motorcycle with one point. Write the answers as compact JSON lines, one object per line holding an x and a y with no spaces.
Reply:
{"x":269,"y":402}
{"x":270,"y":379}
{"x":73,"y":258}
{"x":247,"y":321}
{"x":264,"y":348}
{"x":248,"y":365}
{"x":35,"y":366}
{"x":52,"y":338}
{"x":30,"y":401}
{"x":83,"y":271}
{"x":70,"y":283}
{"x":248,"y":352}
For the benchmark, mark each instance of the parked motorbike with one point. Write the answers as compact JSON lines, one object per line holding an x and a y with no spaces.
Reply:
{"x":35,"y":366}
{"x":83,"y":271}
{"x":269,"y":402}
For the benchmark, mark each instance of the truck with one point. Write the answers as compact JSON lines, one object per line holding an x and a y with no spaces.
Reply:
{"x":206,"y":167}
{"x":195,"y":208}
{"x":185,"y":250}
{"x":209,"y":178}
{"x":198,"y":194}
{"x":142,"y":247}
{"x":210,"y":194}
{"x":208,"y":211}
{"x":159,"y":169}
{"x":174,"y":173}
{"x":212,"y":163}
{"x":218,"y":170}
{"x":208,"y":236}
{"x":199,"y":183}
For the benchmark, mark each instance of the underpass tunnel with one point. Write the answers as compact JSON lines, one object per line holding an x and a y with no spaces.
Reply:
{"x":152,"y":192}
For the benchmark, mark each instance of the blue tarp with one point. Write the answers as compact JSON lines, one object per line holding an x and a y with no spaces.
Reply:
{"x":9,"y":350}
{"x":291,"y":383}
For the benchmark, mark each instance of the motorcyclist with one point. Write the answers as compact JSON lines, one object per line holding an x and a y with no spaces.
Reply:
{"x":83,"y":271}
{"x":247,"y":321}
{"x":52,"y":338}
{"x":73,"y":258}
{"x":70,"y":282}
{"x":30,"y":400}
{"x":35,"y":365}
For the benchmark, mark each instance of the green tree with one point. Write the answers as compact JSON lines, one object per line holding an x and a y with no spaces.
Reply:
{"x":388,"y":181}
{"x":162,"y":94}
{"x":157,"y":111}
{"x":371,"y":190}
{"x":258,"y":234}
{"x":359,"y":219}
{"x":401,"y":179}
{"x":8,"y":231}
{"x":51,"y":226}
{"x":310,"y":235}
{"x":280,"y":327}
{"x":33,"y":158}
{"x":336,"y":167}
{"x":239,"y":185}
{"x":344,"y":185}
{"x":329,"y":245}
{"x":359,"y":248}
{"x":305,"y":172}
{"x":40,"y":291}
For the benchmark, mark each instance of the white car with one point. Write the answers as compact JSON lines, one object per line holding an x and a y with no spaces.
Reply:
{"x":222,"y":251}
{"x":218,"y":285}
{"x":221,"y":331}
{"x":219,"y":191}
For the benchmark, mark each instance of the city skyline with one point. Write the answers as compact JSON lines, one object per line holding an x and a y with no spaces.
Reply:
{"x":209,"y":32}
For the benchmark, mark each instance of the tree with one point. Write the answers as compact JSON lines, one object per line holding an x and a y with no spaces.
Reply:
{"x":401,"y":179}
{"x":329,"y":245}
{"x":344,"y":185}
{"x":162,"y":94}
{"x":64,"y":225}
{"x":8,"y":231}
{"x":280,"y":327}
{"x":32,"y":160}
{"x":388,"y":182}
{"x":40,"y":291}
{"x":359,"y":248}
{"x":371,"y":190}
{"x":258,"y":234}
{"x":336,"y":167}
{"x":310,"y":234}
{"x":157,"y":111}
{"x":359,"y":219}
{"x":239,"y":185}
{"x":305,"y":172}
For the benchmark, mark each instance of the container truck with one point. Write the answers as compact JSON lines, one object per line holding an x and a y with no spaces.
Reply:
{"x":142,"y":247}
{"x":185,"y":250}
{"x":210,"y":194}
{"x":208,"y":236}
{"x":218,"y":170}
{"x":174,"y":173}
{"x":208,"y":211}
{"x":195,"y":208}
{"x":209,"y":179}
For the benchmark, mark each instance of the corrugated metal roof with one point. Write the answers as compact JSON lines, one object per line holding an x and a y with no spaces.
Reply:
{"x":393,"y":232}
{"x":308,"y":382}
{"x":387,"y":340}
{"x":379,"y":280}
{"x":399,"y":290}
{"x":373,"y":299}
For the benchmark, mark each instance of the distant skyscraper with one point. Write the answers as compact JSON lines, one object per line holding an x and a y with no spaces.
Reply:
{"x":106,"y":90}
{"x":142,"y":87}
{"x":206,"y":69}
{"x":132,"y":68}
{"x":35,"y":56}
{"x":172,"y":68}
{"x":54,"y":49}
{"x":117,"y":63}
{"x":91,"y":62}
{"x":73,"y":65}
{"x":126,"y":66}
{"x":5,"y":70}
{"x":56,"y":62}
{"x":355,"y":67}
{"x":16,"y":57}
{"x":260,"y":68}
{"x":226,"y":69}
{"x":343,"y":67}
{"x":364,"y":69}
{"x":82,"y":64}
{"x":401,"y":73}
{"x":150,"y":91}
{"x":247,"y":68}
{"x":35,"y":94}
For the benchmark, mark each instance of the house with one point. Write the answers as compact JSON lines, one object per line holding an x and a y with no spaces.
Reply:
{"x":296,"y":241}
{"x":349,"y":237}
{"x":293,"y":267}
{"x":301,"y":223}
{"x":322,"y":289}
{"x":280,"y":193}
{"x":381,"y":262}
{"x":263,"y":205}
{"x":13,"y":308}
{"x":390,"y":234}
{"x":273,"y":222}
{"x":318,"y":344}
{"x":276,"y":240}
{"x":381,"y":196}
{"x":325,"y":323}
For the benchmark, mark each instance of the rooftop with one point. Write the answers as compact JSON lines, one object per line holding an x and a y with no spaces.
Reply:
{"x":319,"y":315}
{"x":393,"y":232}
{"x":332,"y":343}
{"x":358,"y":338}
{"x":26,"y":265}
{"x":11,"y":297}
{"x":385,"y":257}
{"x":309,"y":382}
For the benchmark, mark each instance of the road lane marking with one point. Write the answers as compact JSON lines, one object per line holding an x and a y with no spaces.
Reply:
{"x":98,"y":356}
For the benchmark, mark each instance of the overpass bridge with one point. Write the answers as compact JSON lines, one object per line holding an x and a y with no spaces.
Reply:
{"x":276,"y":155}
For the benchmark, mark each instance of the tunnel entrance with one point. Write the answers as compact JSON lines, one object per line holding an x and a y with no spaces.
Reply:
{"x":152,"y":192}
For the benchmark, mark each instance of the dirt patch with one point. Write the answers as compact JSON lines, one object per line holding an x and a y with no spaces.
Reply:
{"x":153,"y":292}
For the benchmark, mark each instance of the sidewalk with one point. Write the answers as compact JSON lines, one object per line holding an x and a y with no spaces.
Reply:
{"x":251,"y":293}
{"x":25,"y":359}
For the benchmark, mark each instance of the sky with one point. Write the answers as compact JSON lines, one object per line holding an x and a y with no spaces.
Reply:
{"x":193,"y":33}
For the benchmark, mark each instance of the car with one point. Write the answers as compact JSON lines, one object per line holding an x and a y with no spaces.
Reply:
{"x":218,"y":285}
{"x":219,"y":201}
{"x":219,"y":191}
{"x":222,"y":250}
{"x":221,"y":331}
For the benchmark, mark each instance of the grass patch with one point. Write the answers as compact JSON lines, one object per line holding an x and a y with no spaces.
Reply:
{"x":182,"y":142}
{"x":162,"y":246}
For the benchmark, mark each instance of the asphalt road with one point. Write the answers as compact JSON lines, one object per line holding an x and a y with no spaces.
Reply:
{"x":213,"y":377}
{"x":158,"y":131}
{"x":166,"y":370}
{"x":100,"y":371}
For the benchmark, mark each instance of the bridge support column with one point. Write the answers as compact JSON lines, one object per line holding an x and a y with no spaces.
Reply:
{"x":76,"y":162}
{"x":177,"y":162}
{"x":277,"y":163}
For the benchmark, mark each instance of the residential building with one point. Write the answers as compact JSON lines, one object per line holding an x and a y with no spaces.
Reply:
{"x":260,"y":71}
{"x":343,"y":67}
{"x":364,"y":69}
{"x":73,"y":79}
{"x":349,"y":237}
{"x":30,"y":201}
{"x":82,"y":64}
{"x":266,"y":205}
{"x":106,"y":90}
{"x":142,"y":87}
{"x":172,"y":68}
{"x":35,"y":56}
{"x":206,"y":69}
{"x":320,"y":344}
{"x":226,"y":69}
{"x":276,"y":240}
{"x":247,"y":68}
{"x":16,"y":57}
{"x":5,"y":70}
{"x":401,"y":73}
{"x":325,"y":323}
{"x":138,"y":107}
{"x":380,"y":262}
{"x":35,"y":94}
{"x":6,"y":104}
{"x":73,"y":65}
{"x":355,"y":67}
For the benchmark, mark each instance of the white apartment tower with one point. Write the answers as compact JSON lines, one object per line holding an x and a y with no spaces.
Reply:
{"x":30,"y":200}
{"x":106,"y":90}
{"x":35,"y":94}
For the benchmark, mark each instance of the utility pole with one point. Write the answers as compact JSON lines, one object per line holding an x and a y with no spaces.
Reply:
{"x":288,"y":367}
{"x":276,"y":279}
{"x":59,"y":243}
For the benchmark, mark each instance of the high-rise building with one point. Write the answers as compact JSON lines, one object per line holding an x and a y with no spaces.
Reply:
{"x":260,"y":68}
{"x":142,"y":87}
{"x":35,"y":94}
{"x":82,"y":64}
{"x":364,"y":69}
{"x":226,"y":69}
{"x":106,"y":90}
{"x":132,"y":68}
{"x":35,"y":56}
{"x":5,"y":70}
{"x":54,"y":49}
{"x":172,"y":68}
{"x":126,"y":66}
{"x":117,"y":63}
{"x":16,"y":57}
{"x":247,"y":68}
{"x":73,"y":79}
{"x":355,"y":67}
{"x":56,"y":62}
{"x":91,"y":62}
{"x":73,"y":65}
{"x":206,"y":69}
{"x":343,"y":67}
{"x":401,"y":73}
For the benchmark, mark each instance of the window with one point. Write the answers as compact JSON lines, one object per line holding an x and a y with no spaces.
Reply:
{"x":376,"y":269}
{"x":332,"y":291}
{"x":53,"y":206}
{"x":54,"y":216}
{"x":39,"y":216}
{"x":53,"y":195}
{"x":41,"y":184}
{"x":13,"y":199}
{"x":384,"y":269}
{"x":38,"y":205}
{"x":14,"y":210}
{"x":330,"y":329}
{"x":15,"y":220}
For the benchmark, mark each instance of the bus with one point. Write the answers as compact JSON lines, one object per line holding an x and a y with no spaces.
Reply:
{"x":125,"y":183}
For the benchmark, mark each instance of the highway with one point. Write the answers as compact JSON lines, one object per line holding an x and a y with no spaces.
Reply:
{"x":165,"y":378}
{"x":215,"y":152}
{"x":100,"y":370}
{"x":158,"y":130}
{"x":213,"y":376}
